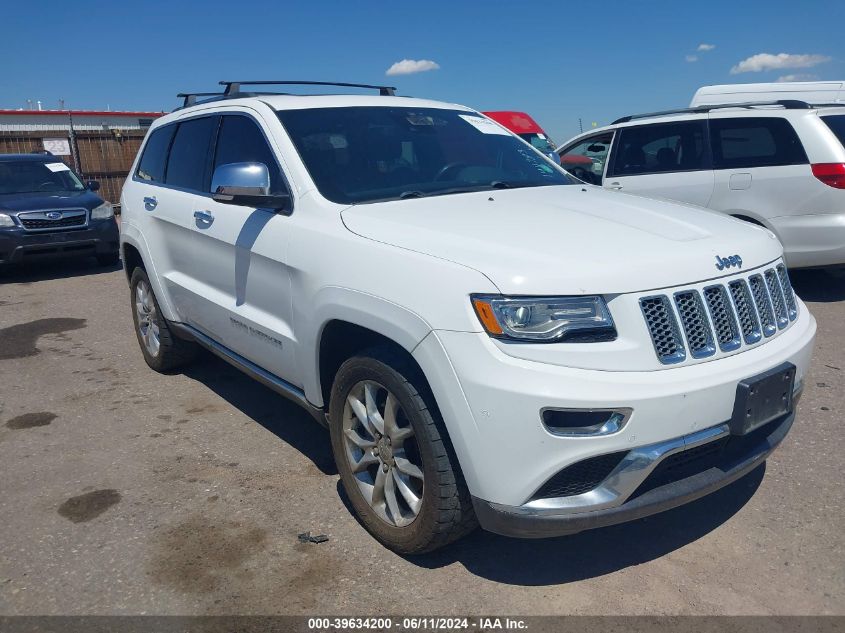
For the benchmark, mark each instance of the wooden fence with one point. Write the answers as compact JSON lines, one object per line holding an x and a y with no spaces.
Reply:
{"x":105,"y":156}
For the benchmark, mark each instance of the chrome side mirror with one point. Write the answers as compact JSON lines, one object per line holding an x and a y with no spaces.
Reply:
{"x":251,"y":179}
{"x":246,"y":184}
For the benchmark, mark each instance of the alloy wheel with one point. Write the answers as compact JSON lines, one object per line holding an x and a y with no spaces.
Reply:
{"x":145,"y":310}
{"x":383,"y":453}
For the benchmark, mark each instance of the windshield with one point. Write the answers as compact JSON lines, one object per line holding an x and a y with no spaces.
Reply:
{"x":540,"y":141}
{"x":363,"y":154}
{"x":837,"y":125}
{"x":31,"y":176}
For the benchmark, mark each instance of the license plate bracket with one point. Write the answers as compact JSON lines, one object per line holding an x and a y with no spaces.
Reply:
{"x":763,"y":398}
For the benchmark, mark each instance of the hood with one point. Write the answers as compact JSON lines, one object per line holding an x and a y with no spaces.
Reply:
{"x":568,"y":240}
{"x":36,"y":201}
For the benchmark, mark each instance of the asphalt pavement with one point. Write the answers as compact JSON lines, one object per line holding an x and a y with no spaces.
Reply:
{"x":123,"y":491}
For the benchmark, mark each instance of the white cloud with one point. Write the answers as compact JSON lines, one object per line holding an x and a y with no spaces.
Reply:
{"x":799,"y":77}
{"x":703,"y":48}
{"x":410,"y":66}
{"x":691,"y":58}
{"x":767,"y":61}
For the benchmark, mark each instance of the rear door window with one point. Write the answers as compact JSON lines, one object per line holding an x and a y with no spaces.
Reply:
{"x":836,"y":123}
{"x":154,"y":159}
{"x":241,"y":141}
{"x":660,"y":148}
{"x":755,"y":142}
{"x":189,"y":162}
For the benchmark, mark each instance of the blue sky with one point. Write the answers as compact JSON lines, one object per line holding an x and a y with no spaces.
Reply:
{"x":558,"y":61}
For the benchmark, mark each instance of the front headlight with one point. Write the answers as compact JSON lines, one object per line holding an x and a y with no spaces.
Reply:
{"x":102,"y":212}
{"x":6,"y":220}
{"x":545,"y":319}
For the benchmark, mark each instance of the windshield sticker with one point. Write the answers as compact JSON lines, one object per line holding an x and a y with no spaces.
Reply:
{"x":542,"y":136}
{"x":485,"y":125}
{"x":57,"y":167}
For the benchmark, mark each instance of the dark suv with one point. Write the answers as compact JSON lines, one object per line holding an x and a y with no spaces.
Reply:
{"x":47,"y":211}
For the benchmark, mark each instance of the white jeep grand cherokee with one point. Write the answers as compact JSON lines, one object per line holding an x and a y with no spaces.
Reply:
{"x":488,"y":340}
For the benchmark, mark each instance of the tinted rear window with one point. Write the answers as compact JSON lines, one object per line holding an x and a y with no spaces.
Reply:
{"x":755,"y":142}
{"x":154,"y":157}
{"x":189,"y":160}
{"x":837,"y":125}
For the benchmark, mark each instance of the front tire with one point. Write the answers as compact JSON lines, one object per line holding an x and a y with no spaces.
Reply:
{"x":162,"y":350}
{"x":393,"y":454}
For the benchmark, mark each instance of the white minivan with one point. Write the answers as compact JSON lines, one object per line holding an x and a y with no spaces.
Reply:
{"x":779,"y":164}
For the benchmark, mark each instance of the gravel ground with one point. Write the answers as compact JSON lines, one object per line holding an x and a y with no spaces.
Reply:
{"x":123,"y":491}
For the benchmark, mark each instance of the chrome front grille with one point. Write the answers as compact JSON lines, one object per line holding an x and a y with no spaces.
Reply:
{"x":53,"y":220}
{"x":739,"y":312}
{"x":791,"y":306}
{"x":694,"y":321}
{"x":745,"y":311}
{"x":778,"y":301}
{"x":724,"y":321}
{"x":763,"y":304}
{"x":663,"y":328}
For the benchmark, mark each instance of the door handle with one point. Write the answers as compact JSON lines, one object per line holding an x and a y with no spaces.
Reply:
{"x":614,"y":185}
{"x":150,"y":202}
{"x":204,"y":217}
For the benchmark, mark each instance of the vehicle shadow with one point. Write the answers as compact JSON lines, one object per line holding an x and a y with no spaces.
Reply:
{"x":54,"y":269}
{"x":823,"y":286}
{"x":595,"y":552}
{"x":284,"y":419}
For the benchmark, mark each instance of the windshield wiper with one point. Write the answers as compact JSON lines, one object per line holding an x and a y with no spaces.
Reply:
{"x":411,"y":194}
{"x":500,"y":184}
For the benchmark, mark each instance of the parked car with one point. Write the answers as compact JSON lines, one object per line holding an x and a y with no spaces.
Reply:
{"x":815,"y":92}
{"x":488,"y":340}
{"x":527,"y":129}
{"x":47,"y":211}
{"x":779,"y":165}
{"x":586,"y":162}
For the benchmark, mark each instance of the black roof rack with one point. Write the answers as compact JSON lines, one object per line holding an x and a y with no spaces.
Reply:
{"x":789,"y":104}
{"x":190,"y":98}
{"x":233,"y":88}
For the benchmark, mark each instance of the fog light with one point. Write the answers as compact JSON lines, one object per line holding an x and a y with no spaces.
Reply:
{"x":584,"y":422}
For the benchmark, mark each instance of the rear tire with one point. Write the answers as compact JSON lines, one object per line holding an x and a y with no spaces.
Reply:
{"x":162,"y":350}
{"x":408,"y":490}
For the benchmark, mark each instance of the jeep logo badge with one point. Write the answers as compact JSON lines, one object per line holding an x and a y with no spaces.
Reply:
{"x":727,"y":262}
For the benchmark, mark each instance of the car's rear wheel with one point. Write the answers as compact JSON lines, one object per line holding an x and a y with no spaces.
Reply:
{"x":393,"y":455}
{"x":162,"y":350}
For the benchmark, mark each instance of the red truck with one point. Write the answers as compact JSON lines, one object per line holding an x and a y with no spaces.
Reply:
{"x":527,"y":128}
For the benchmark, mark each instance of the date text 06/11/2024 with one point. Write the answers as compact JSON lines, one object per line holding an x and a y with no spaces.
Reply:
{"x":416,"y":624}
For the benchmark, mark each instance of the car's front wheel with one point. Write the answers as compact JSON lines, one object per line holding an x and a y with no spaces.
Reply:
{"x":162,"y":350}
{"x":394,"y":458}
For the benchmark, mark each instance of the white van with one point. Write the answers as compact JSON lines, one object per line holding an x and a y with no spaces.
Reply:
{"x":816,"y":92}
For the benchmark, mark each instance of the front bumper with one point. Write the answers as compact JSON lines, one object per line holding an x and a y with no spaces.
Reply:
{"x":491,"y":404}
{"x":653,"y":491}
{"x":100,"y":237}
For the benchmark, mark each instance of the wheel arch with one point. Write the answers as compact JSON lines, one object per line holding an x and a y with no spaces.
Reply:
{"x":349,"y":322}
{"x":134,"y":252}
